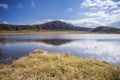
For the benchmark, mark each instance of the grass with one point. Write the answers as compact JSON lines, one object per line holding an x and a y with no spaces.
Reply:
{"x":47,"y":32}
{"x":42,"y":65}
{"x":51,"y":32}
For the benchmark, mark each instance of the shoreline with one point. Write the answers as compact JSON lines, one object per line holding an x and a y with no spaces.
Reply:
{"x":51,"y":32}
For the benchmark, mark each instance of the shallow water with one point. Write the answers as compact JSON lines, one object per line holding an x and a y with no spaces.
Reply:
{"x":103,"y":47}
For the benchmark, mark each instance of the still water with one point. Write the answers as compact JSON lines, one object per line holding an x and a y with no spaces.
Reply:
{"x":103,"y":47}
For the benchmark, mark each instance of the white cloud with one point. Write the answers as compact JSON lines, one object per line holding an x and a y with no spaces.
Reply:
{"x":97,"y":14}
{"x":4,"y":6}
{"x":33,"y":4}
{"x":105,"y":11}
{"x":19,"y":5}
{"x":69,"y":9}
{"x":5,"y":22}
{"x":86,"y":22}
{"x":101,"y":4}
{"x":107,"y":18}
{"x":117,"y":11}
{"x":113,"y":18}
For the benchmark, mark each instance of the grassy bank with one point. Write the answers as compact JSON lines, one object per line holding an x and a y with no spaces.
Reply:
{"x":42,"y":65}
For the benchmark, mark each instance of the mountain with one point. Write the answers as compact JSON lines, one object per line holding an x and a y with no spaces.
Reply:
{"x":106,"y":29}
{"x":58,"y":25}
{"x":53,"y":25}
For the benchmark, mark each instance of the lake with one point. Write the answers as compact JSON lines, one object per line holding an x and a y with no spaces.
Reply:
{"x":102,"y":47}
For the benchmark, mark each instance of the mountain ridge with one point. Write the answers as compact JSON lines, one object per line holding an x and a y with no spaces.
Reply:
{"x":58,"y":26}
{"x":106,"y":29}
{"x":53,"y":25}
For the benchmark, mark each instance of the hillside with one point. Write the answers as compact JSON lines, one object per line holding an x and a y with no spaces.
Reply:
{"x":106,"y":29}
{"x":57,"y":26}
{"x":53,"y":25}
{"x":42,"y":65}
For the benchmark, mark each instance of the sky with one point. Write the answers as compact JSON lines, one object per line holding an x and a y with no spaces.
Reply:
{"x":83,"y":13}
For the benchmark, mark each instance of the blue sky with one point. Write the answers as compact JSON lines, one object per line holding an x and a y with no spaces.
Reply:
{"x":84,"y":13}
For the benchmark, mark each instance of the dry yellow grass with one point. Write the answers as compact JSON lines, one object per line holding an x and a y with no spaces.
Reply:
{"x":51,"y":32}
{"x":45,"y":32}
{"x":42,"y":65}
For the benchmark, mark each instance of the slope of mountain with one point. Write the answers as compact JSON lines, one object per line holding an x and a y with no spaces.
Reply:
{"x":106,"y":29}
{"x":58,"y":25}
{"x":17,"y":27}
{"x":53,"y":25}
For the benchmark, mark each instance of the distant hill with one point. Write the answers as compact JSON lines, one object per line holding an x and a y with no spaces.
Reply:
{"x":58,"y":26}
{"x":106,"y":29}
{"x":53,"y":25}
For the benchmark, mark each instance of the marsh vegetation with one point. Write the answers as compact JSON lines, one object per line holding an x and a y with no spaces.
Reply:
{"x":43,"y":65}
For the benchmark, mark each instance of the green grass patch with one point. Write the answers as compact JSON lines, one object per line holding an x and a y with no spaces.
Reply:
{"x":42,"y":65}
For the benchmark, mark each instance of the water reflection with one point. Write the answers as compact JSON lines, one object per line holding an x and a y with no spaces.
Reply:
{"x":64,"y":36}
{"x":0,"y":52}
{"x":14,"y":48}
{"x":55,"y":42}
{"x":101,"y":49}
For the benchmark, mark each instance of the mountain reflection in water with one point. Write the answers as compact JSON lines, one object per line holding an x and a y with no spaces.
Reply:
{"x":100,"y":47}
{"x":7,"y":57}
{"x":55,"y":42}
